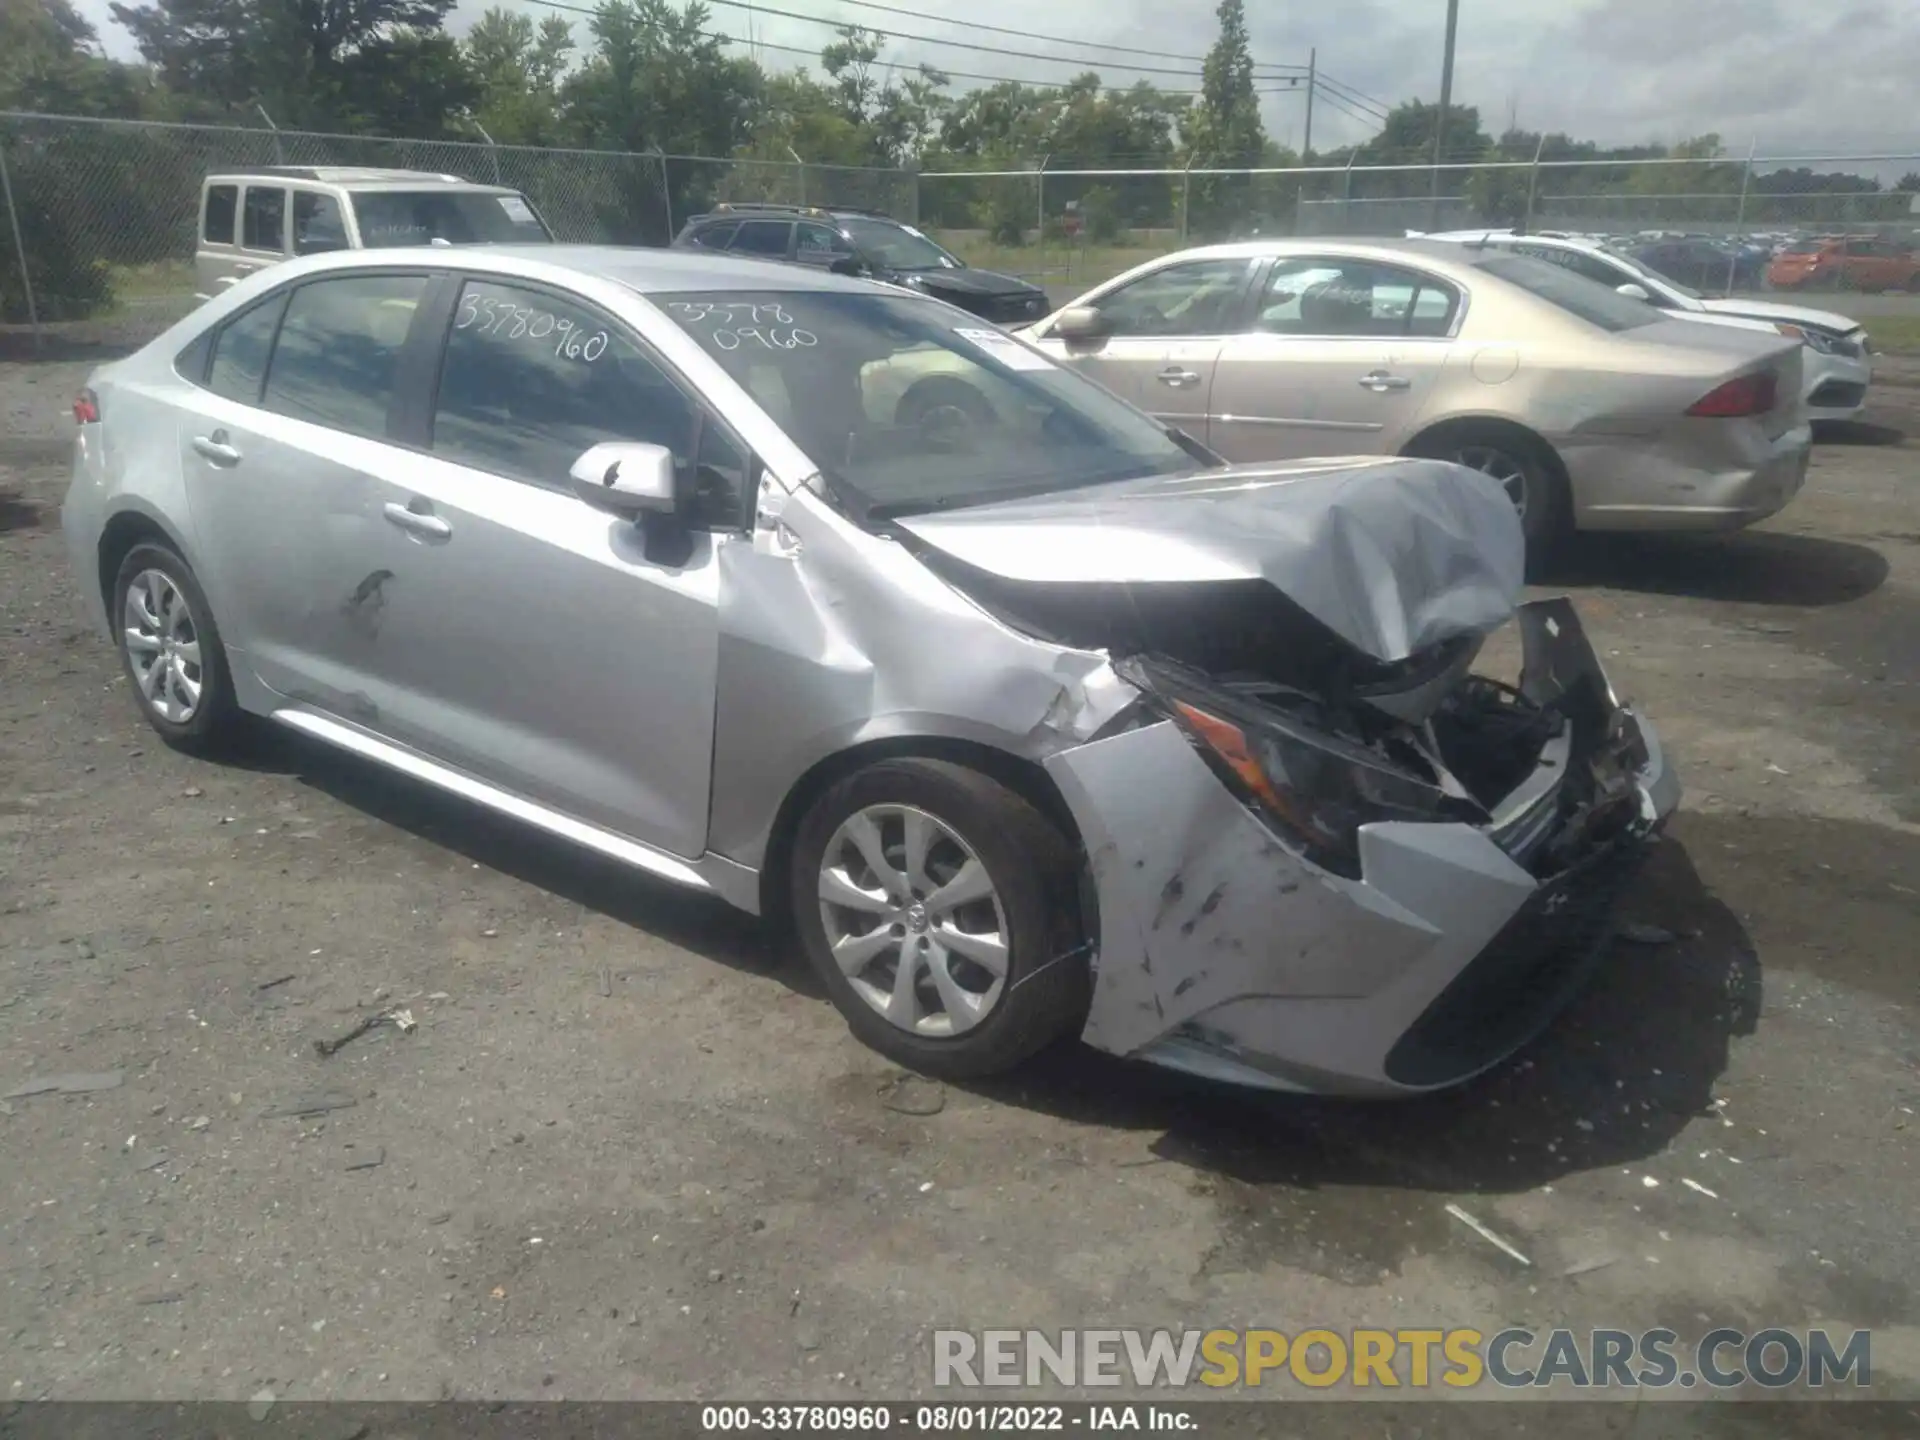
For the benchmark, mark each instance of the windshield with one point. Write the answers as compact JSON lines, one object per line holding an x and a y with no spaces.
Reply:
{"x":459,"y":217}
{"x":1591,"y":301}
{"x":898,"y":247}
{"x":1664,"y":282}
{"x":903,"y":403}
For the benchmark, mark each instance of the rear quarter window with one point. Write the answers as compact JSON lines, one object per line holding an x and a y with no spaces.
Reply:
{"x":1585,"y":299}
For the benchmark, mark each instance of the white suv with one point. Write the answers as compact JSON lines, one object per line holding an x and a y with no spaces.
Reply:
{"x":250,"y":219}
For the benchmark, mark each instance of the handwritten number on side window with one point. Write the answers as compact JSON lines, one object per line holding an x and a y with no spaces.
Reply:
{"x":508,"y":321}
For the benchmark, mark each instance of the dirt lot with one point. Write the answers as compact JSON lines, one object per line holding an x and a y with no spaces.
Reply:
{"x":630,"y":1152}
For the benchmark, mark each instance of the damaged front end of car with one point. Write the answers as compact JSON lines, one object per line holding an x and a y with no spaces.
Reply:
{"x":1326,"y":854}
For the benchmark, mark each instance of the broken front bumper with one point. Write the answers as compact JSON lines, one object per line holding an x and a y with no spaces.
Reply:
{"x":1223,"y":953}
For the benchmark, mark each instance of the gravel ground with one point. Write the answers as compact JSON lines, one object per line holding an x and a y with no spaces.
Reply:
{"x":630,"y":1152}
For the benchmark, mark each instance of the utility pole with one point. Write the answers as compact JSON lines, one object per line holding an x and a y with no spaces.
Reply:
{"x":1446,"y":102}
{"x":1313,"y":71}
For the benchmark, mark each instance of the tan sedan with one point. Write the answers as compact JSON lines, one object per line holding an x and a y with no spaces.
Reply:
{"x":1595,"y":411}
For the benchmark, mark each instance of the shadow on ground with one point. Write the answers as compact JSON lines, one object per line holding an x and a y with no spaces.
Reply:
{"x":1753,"y":567}
{"x":17,"y":513}
{"x":1857,"y":432}
{"x":1613,"y":1081}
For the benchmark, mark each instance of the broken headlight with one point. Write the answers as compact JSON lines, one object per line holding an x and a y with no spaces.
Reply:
{"x":1313,"y":788}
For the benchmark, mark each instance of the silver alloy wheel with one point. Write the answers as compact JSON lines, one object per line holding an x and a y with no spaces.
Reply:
{"x":913,"y":920}
{"x":163,"y":646}
{"x":1503,"y":467}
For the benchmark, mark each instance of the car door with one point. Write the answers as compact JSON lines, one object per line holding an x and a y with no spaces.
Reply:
{"x":1163,"y":336}
{"x":820,"y":245}
{"x":279,"y":444}
{"x":218,"y":254}
{"x":518,"y":633}
{"x":1340,"y":356}
{"x":763,"y":239}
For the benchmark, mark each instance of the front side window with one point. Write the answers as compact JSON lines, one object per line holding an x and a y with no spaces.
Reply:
{"x":1353,"y":298}
{"x":263,"y":223}
{"x":530,"y":381}
{"x":318,"y":225}
{"x":715,"y":237}
{"x":909,"y":407}
{"x":222,"y":203}
{"x":337,"y":358}
{"x":820,"y":243}
{"x":1599,"y":305}
{"x":455,"y":217}
{"x":762,"y":237}
{"x":1199,"y":297}
{"x":241,"y":349}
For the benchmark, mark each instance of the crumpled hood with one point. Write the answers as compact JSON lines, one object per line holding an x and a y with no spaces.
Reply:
{"x":1393,"y":556}
{"x":1792,"y":314}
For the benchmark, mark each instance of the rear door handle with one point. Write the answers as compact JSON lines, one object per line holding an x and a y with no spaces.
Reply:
{"x":1178,"y":378}
{"x":216,"y":448}
{"x":417,"y":522}
{"x":1379,"y":381}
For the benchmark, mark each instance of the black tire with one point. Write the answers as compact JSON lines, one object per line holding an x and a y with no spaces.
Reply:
{"x":1035,"y":872}
{"x":1547,"y":521}
{"x":942,"y":392}
{"x":216,"y":724}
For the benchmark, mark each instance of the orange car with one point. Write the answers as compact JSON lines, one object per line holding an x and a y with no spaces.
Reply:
{"x":1850,"y":262}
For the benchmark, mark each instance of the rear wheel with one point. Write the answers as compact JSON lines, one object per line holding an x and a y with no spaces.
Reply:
{"x":1526,"y":469}
{"x":941,"y":911}
{"x":172,"y":653}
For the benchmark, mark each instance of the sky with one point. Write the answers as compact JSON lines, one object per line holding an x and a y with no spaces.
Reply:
{"x":1797,"y":77}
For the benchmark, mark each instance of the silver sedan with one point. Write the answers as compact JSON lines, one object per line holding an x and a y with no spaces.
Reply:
{"x":1041,"y":726}
{"x":1595,"y":410}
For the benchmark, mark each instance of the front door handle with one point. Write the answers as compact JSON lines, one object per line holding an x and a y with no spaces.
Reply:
{"x":1178,"y":377}
{"x":1380,"y":382}
{"x":417,"y":522}
{"x":217,"y":448}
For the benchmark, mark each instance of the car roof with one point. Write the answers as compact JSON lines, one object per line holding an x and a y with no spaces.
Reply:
{"x":1441,"y":255}
{"x":357,"y":177}
{"x":644,"y":270}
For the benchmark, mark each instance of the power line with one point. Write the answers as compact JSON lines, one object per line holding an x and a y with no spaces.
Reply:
{"x":814,"y":54}
{"x":1348,"y":110}
{"x":1358,"y":97}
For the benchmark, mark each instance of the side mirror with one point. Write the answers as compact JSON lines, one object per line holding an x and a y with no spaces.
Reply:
{"x":847,"y":265}
{"x":626,"y":479}
{"x":1081,"y":322}
{"x":1633,"y":291}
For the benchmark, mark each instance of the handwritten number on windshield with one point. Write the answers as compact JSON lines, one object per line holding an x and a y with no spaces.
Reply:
{"x":504,"y":320}
{"x":772,"y":338}
{"x":731,"y":313}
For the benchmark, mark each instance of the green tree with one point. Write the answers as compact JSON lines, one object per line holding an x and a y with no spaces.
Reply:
{"x":518,"y":67}
{"x":377,"y":65}
{"x":1222,"y":128}
{"x":50,"y":61}
{"x":655,"y":80}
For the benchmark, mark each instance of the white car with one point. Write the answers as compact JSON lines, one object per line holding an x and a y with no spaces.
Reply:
{"x":1838,"y":362}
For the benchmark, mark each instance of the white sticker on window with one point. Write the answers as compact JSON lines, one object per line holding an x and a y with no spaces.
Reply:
{"x":517,"y":209}
{"x":1010,"y":352}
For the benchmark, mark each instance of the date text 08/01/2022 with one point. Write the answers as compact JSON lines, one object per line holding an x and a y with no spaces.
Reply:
{"x":933,"y":1419}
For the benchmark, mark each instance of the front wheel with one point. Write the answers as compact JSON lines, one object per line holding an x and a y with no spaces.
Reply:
{"x":941,"y":911}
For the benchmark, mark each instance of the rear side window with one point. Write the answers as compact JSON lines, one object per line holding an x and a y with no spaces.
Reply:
{"x":1598,"y":305}
{"x":762,"y":237}
{"x":263,"y":224}
{"x":240,"y":352}
{"x":338,"y":353}
{"x":222,"y":200}
{"x":715,"y":237}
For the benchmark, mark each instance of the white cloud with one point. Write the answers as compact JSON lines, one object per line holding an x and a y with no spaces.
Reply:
{"x":1798,"y":78}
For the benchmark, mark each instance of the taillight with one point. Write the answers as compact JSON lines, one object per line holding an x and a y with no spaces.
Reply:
{"x":1746,"y":395}
{"x":86,"y":409}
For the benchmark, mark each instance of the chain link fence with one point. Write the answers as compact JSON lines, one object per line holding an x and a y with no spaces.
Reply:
{"x":102,"y":215}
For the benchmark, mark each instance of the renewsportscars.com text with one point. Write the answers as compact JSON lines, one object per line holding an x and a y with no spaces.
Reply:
{"x":1457,"y":1359}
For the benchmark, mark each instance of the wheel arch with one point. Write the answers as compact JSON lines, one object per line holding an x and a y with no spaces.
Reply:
{"x":1026,"y":778}
{"x":124,"y":529}
{"x":1454,"y":427}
